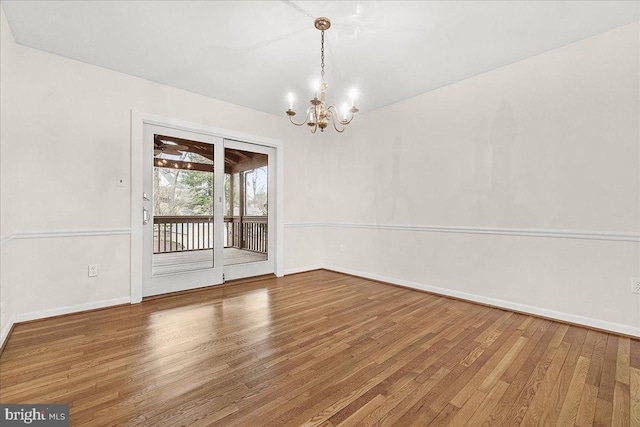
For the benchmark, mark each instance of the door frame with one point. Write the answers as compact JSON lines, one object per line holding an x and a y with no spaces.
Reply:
{"x":138,"y":120}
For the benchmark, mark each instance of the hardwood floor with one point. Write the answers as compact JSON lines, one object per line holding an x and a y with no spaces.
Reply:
{"x":321,"y":348}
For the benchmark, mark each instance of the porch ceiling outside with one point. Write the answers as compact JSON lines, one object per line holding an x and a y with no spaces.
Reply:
{"x":234,"y":160}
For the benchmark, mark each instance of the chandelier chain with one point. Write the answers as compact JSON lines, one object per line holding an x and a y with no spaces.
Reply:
{"x":322,"y":55}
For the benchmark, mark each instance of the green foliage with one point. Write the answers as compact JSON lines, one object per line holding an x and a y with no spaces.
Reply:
{"x":199,"y":186}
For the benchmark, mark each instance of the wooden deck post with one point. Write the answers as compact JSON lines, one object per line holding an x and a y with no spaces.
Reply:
{"x":232,"y":199}
{"x":241,"y":213}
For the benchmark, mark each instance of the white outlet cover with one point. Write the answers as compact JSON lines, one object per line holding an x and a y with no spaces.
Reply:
{"x":93,"y":270}
{"x":635,"y":285}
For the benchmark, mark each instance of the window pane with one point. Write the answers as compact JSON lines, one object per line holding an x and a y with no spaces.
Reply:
{"x":256,"y":192}
{"x":182,"y":205}
{"x":246,"y":231}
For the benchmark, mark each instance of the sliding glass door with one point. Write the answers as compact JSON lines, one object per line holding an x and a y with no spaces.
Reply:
{"x":207,"y":206}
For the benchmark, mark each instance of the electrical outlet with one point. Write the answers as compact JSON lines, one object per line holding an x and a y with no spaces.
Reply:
{"x":93,"y":270}
{"x":635,"y":285}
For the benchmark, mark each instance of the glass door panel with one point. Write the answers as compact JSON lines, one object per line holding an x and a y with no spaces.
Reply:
{"x":248,"y":226}
{"x":246,"y":216}
{"x":183,"y":218}
{"x":183,"y":195}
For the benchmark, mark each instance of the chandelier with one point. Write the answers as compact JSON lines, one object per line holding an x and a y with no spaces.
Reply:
{"x":318,"y":115}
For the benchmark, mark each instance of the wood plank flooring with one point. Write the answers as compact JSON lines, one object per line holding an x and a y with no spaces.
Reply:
{"x":321,"y":349}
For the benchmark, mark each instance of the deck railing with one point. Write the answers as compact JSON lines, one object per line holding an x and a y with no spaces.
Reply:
{"x":195,"y":233}
{"x":247,"y":232}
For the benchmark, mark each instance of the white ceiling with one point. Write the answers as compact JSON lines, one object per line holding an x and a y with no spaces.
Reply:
{"x":253,"y":53}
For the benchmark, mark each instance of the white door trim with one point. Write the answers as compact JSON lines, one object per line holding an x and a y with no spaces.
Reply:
{"x":138,"y":120}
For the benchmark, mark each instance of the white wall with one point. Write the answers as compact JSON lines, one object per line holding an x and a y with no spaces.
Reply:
{"x":70,"y":129}
{"x":548,"y":146}
{"x":7,"y":75}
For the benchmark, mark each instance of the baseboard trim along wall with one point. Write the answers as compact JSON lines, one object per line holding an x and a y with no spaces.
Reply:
{"x":60,"y":311}
{"x":508,"y":305}
{"x":4,"y":334}
{"x":302,"y":269}
{"x":36,"y":315}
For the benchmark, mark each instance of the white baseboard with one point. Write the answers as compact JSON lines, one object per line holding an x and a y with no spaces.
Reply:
{"x":5,"y":331}
{"x":557,"y":315}
{"x":302,"y":269}
{"x":35,"y":315}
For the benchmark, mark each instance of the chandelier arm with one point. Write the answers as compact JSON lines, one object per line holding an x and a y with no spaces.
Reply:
{"x":334,"y":111}
{"x":348,"y":121}
{"x":342,"y":122}
{"x":297,"y":124}
{"x":333,"y":119}
{"x":303,"y":122}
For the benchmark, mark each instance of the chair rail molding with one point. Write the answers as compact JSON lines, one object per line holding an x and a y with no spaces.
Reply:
{"x":520,"y":232}
{"x":49,"y":234}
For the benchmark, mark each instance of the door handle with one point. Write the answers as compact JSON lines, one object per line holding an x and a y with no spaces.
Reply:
{"x":146,"y":216}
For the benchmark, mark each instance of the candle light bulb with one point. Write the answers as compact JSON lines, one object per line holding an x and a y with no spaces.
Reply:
{"x":290,"y":96}
{"x":353,"y":93}
{"x":345,"y":109}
